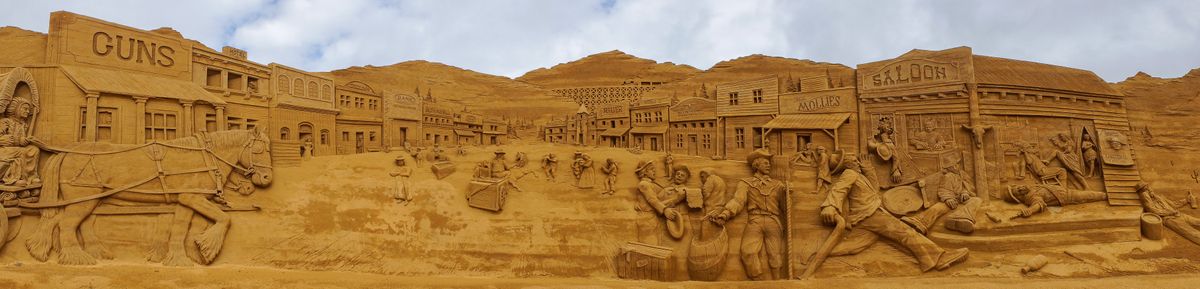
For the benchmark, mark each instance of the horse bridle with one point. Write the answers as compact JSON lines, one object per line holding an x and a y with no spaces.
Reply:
{"x":247,"y":153}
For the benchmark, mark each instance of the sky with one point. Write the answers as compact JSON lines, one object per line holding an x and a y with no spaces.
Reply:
{"x":1115,"y":39}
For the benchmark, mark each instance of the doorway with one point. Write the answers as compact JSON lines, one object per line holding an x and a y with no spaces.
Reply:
{"x":360,"y":145}
{"x":693,"y":143}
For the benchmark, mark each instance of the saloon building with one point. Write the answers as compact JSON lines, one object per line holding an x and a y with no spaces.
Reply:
{"x":612,"y":124}
{"x":649,"y":123}
{"x":693,"y":129}
{"x":743,"y":109}
{"x":934,"y":99}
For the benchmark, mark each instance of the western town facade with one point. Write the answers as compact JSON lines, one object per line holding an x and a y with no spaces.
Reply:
{"x":125,"y":85}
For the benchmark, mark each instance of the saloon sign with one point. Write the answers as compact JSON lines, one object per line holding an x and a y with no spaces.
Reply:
{"x":911,"y":72}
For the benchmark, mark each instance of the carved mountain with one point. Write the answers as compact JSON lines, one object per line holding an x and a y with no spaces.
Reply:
{"x":607,"y":69}
{"x":1163,"y":113}
{"x":493,"y":95}
{"x":22,"y":46}
{"x":754,"y":66}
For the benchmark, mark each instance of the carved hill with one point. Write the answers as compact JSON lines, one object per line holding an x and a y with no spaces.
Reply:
{"x":753,"y":66}
{"x":494,"y":95}
{"x":607,"y":69}
{"x":1164,"y":113}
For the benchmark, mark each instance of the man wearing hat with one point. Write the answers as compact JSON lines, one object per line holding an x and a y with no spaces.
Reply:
{"x":403,"y":192}
{"x":1038,"y":197}
{"x":1183,"y":224}
{"x":954,"y":197}
{"x":499,"y":165}
{"x":856,"y":199}
{"x":649,"y":206}
{"x":762,"y":198}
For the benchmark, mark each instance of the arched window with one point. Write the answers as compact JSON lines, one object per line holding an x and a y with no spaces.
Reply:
{"x":298,"y":87}
{"x":325,"y":93}
{"x":312,"y":89}
{"x":284,"y":132}
{"x":283,"y":84}
{"x":324,"y":136}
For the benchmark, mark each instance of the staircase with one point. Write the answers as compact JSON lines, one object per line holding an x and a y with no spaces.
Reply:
{"x":1119,"y":182}
{"x":285,"y":153}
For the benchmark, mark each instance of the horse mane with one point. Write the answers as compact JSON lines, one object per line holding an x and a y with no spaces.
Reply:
{"x":219,"y":139}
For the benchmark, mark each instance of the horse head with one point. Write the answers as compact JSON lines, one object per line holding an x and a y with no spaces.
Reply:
{"x":256,"y":158}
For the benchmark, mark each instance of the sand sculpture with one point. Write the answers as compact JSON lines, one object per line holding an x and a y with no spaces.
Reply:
{"x":959,"y":160}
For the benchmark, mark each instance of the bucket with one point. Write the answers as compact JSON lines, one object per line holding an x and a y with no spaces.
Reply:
{"x":1152,"y":227}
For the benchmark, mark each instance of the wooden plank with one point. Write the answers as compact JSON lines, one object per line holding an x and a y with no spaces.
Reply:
{"x":1122,"y":178}
{"x":1123,"y":196}
{"x":1122,"y":202}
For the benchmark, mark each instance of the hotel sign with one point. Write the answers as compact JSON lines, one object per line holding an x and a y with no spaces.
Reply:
{"x":78,"y":39}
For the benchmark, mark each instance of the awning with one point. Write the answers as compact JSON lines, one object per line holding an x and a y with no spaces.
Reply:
{"x":615,"y":132}
{"x":808,"y":121}
{"x":649,"y":130}
{"x":493,"y":132}
{"x":137,"y":84}
{"x":460,"y":132}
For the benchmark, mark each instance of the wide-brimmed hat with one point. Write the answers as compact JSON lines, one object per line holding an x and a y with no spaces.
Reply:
{"x":758,"y":154}
{"x":642,"y":165}
{"x":1141,"y":186}
{"x":675,"y":227}
{"x":842,"y":158}
{"x":1012,"y":198}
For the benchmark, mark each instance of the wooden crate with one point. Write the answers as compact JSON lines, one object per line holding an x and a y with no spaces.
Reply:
{"x":641,"y":261}
{"x":443,"y":169}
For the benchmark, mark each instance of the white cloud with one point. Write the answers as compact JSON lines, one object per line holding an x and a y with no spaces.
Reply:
{"x":1113,"y":38}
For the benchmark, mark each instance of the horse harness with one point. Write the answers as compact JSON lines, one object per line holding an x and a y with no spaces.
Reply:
{"x":155,"y":152}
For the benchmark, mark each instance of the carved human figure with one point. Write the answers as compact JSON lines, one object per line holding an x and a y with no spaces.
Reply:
{"x":577,"y":166}
{"x":587,"y":171}
{"x":712,"y":188}
{"x":308,"y":148}
{"x":824,"y":178}
{"x":855,"y":199}
{"x":977,"y":133}
{"x":955,"y":198}
{"x":610,"y":171}
{"x":1038,"y":197}
{"x":669,"y":164}
{"x":1090,"y":156}
{"x":499,"y":165}
{"x":417,"y":155}
{"x":884,"y":146}
{"x":1035,"y":164}
{"x":402,"y":194}
{"x":18,"y":149}
{"x":762,"y":198}
{"x":550,"y":165}
{"x":1068,"y":156}
{"x":806,"y":156}
{"x":650,"y":206}
{"x":1183,"y":224}
{"x":927,"y":139}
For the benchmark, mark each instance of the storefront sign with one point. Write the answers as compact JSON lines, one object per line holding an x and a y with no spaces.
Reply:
{"x":84,"y":40}
{"x":911,"y":72}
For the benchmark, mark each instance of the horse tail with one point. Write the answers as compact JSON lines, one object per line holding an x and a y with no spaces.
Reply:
{"x":42,"y":241}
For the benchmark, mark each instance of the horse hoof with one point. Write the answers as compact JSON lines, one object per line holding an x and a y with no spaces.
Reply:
{"x":75,"y":256}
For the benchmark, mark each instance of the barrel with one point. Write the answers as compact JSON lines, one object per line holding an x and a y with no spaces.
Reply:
{"x":706,"y":258}
{"x":1152,"y":226}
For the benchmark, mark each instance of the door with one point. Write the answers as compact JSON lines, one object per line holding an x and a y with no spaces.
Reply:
{"x":403,"y":136}
{"x":360,"y":145}
{"x":693,"y":144}
{"x":654,"y":143}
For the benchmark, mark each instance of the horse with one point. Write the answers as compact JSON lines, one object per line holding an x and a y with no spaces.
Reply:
{"x":190,"y":173}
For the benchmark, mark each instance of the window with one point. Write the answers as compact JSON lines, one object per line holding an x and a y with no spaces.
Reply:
{"x":358,"y":102}
{"x":105,"y":116}
{"x":758,"y":137}
{"x":326,"y":92}
{"x":298,"y":87}
{"x":739,"y":137}
{"x":213,"y":77}
{"x":802,"y":140}
{"x":233,"y":81}
{"x":372,"y":136}
{"x":428,"y":137}
{"x":345,"y":136}
{"x":283,"y":84}
{"x":707,"y":141}
{"x":758,"y":95}
{"x":324,"y":136}
{"x":658,"y":116}
{"x":161,"y":126}
{"x":210,"y":122}
{"x":284,"y":132}
{"x":679,"y":140}
{"x":252,"y":84}
{"x":344,"y":101}
{"x":312,"y":89}
{"x":733,"y":98}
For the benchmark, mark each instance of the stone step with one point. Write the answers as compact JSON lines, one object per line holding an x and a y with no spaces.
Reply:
{"x":1036,"y":240}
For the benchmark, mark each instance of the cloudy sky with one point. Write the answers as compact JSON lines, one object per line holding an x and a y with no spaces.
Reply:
{"x":509,"y":37}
